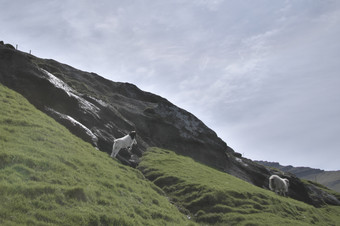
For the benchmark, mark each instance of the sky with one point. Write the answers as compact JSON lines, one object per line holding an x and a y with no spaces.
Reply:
{"x":263,"y":74}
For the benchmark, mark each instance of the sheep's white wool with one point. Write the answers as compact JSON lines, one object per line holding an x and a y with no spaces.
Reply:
{"x":123,"y":142}
{"x":278,"y":185}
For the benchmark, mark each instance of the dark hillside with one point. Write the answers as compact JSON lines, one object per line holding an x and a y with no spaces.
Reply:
{"x":98,"y":110}
{"x":109,"y":109}
{"x":48,"y":176}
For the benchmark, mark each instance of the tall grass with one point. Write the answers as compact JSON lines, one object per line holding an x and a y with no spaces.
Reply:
{"x":50,"y":177}
{"x":213,"y":197}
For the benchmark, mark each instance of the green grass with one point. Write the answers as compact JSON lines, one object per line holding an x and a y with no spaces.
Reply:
{"x":50,"y":177}
{"x":213,"y":197}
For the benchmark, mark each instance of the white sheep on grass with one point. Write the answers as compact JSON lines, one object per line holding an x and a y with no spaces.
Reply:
{"x":124,"y":142}
{"x":278,"y":185}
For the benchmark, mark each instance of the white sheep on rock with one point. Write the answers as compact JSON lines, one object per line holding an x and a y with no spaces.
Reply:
{"x":124,"y":142}
{"x":278,"y":185}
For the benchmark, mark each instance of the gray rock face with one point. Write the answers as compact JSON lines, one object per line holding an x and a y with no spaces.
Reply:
{"x":7,"y":45}
{"x":98,"y":110}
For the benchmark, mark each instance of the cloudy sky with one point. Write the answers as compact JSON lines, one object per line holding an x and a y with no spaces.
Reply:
{"x":263,"y":74}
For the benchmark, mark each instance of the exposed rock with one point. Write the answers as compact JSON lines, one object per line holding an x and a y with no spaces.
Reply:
{"x":74,"y":126}
{"x":9,"y":46}
{"x":99,"y":110}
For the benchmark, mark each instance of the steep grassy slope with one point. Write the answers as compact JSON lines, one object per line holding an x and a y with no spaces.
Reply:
{"x":98,"y":110}
{"x":214,"y":197}
{"x":50,"y":177}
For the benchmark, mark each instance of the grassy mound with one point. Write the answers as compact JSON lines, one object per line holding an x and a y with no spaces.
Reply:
{"x":50,"y":177}
{"x":217,"y":198}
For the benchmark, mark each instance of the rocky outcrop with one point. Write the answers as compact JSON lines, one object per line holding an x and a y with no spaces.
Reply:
{"x":99,"y":110}
{"x":7,"y":45}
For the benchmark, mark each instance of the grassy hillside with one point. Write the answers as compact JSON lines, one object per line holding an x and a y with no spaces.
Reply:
{"x":217,"y":198}
{"x":50,"y":177}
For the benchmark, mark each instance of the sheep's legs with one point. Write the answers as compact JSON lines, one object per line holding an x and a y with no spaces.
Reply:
{"x":115,"y":151}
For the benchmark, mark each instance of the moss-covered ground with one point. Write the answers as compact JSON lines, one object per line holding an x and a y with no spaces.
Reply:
{"x":216,"y":198}
{"x":50,"y":177}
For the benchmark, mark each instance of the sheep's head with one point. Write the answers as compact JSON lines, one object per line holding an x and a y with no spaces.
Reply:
{"x":132,"y":134}
{"x":287,"y":182}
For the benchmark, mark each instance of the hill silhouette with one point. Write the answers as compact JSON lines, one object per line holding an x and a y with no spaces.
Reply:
{"x":98,"y":110}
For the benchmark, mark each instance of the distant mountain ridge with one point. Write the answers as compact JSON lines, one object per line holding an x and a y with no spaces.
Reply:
{"x":99,"y":110}
{"x":330,"y":179}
